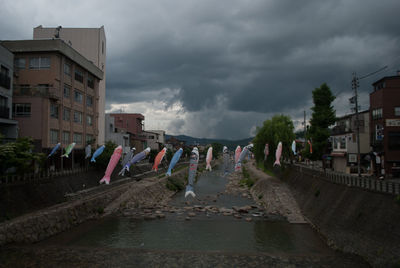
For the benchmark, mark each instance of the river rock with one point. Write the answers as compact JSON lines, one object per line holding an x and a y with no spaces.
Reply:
{"x":237,"y":216}
{"x":187,"y":218}
{"x":227,"y":213}
{"x":248,"y":219}
{"x":224,"y":210}
{"x":187,"y":208}
{"x":161,"y":216}
{"x":150,"y":217}
{"x":244,"y":195}
{"x":191,"y":214}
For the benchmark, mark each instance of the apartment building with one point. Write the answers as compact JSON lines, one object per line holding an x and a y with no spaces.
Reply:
{"x":344,"y":143}
{"x":56,"y":93}
{"x":385,"y":122}
{"x":153,"y":140}
{"x":90,"y":43}
{"x":134,"y":125}
{"x":117,"y":135}
{"x":8,"y":127}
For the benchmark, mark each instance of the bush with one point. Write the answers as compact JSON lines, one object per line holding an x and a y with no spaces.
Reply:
{"x":20,"y":155}
{"x":103,"y":159}
{"x":174,"y":185}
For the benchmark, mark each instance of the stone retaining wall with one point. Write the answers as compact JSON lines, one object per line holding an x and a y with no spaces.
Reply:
{"x":352,"y":219}
{"x":42,"y":224}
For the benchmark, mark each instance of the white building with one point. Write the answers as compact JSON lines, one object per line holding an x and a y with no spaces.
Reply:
{"x":344,"y":142}
{"x":8,"y":127}
{"x":118,"y":136}
{"x":91,"y":43}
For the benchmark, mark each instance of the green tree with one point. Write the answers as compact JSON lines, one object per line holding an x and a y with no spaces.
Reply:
{"x":20,"y":155}
{"x":277,"y":129}
{"x":103,"y":159}
{"x":217,"y":149}
{"x":322,"y":117}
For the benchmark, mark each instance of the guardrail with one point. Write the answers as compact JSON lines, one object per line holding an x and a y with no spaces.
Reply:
{"x":372,"y":184}
{"x":33,"y":177}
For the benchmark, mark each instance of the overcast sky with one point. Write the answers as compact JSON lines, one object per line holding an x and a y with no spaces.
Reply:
{"x":218,"y":69}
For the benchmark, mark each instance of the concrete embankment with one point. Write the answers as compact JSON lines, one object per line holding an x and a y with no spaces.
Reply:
{"x":47,"y":222}
{"x":274,"y":195}
{"x":353,"y":220}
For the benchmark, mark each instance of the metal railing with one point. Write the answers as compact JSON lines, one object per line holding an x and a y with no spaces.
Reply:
{"x":38,"y":91}
{"x":372,"y":184}
{"x":33,"y":177}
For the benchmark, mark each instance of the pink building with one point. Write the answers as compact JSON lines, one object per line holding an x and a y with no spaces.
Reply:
{"x":134,"y":125}
{"x":56,"y":93}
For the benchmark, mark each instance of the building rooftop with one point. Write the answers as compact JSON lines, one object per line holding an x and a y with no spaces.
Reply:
{"x":52,"y":45}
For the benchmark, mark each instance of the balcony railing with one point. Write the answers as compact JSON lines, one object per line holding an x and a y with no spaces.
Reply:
{"x":5,"y":81}
{"x":337,"y":130}
{"x":38,"y":91}
{"x":4,"y":112}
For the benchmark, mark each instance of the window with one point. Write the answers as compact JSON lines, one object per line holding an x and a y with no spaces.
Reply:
{"x":78,"y":75}
{"x":335,"y":143}
{"x":89,"y":101}
{"x":20,"y":63}
{"x":394,"y":140}
{"x":67,"y":69}
{"x":397,"y":111}
{"x":53,"y":136}
{"x":78,"y":138}
{"x":102,"y":47}
{"x":53,"y":110}
{"x":89,"y":139}
{"x":90,"y":81}
{"x":39,"y":63}
{"x":342,"y":142}
{"x":5,"y":80}
{"x":77,"y":117}
{"x":65,"y":139}
{"x":22,"y":109}
{"x":78,"y":96}
{"x":377,"y":114}
{"x":89,"y":120}
{"x":66,"y":114}
{"x":67,"y":91}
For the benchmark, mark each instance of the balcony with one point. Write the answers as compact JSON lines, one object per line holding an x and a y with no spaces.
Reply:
{"x":4,"y":112}
{"x":337,"y":130}
{"x":5,"y":81}
{"x":38,"y":91}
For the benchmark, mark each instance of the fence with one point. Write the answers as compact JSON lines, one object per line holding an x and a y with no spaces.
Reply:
{"x":371,"y":184}
{"x":33,"y":177}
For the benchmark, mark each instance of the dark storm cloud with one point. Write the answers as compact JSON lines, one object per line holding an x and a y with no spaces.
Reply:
{"x":261,"y":56}
{"x":234,"y":61}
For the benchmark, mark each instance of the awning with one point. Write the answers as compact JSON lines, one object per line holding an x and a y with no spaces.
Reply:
{"x":337,"y":154}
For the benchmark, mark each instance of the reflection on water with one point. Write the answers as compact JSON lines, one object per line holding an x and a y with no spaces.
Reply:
{"x":219,"y":233}
{"x":204,"y":233}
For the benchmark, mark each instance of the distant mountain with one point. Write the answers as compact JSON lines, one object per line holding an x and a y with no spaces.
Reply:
{"x":231,"y":144}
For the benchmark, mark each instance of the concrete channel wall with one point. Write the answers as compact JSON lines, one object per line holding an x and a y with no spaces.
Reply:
{"x":351,"y":216}
{"x":82,"y":207}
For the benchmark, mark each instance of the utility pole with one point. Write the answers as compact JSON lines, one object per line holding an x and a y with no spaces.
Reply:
{"x":305,"y":126}
{"x":355,"y":84}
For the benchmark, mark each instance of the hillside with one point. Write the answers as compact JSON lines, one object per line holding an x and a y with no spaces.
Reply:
{"x":231,"y":144}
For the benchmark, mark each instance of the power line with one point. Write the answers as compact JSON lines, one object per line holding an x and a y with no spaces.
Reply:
{"x":377,"y":71}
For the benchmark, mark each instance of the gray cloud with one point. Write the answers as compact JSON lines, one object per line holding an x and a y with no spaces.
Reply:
{"x":252,"y":58}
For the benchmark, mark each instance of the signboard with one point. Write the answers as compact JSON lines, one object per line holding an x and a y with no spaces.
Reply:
{"x":393,"y":122}
{"x":379,"y":132}
{"x":352,"y":158}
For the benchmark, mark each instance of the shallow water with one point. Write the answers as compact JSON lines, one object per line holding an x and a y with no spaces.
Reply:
{"x":204,"y":232}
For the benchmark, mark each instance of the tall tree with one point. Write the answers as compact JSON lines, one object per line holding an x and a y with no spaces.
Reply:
{"x":322,"y":117}
{"x":277,"y":129}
